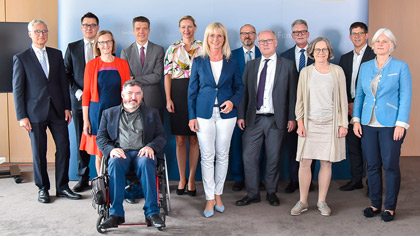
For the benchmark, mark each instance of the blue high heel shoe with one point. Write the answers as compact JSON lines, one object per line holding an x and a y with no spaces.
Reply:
{"x":220,"y":209}
{"x":208,"y":214}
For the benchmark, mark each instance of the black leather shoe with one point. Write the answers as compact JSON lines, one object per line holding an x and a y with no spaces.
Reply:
{"x":247,"y":200}
{"x":311,"y":187}
{"x":81,"y":186}
{"x":369,"y":212}
{"x":387,"y":217}
{"x":130,"y":200}
{"x":238,"y":186}
{"x":68,"y":194}
{"x":192,"y":193}
{"x":262,"y":186}
{"x":273,"y":199}
{"x":155,"y":221}
{"x":43,"y":196}
{"x":181,"y":191}
{"x":291,"y":187}
{"x":112,"y":222}
{"x":350,"y":186}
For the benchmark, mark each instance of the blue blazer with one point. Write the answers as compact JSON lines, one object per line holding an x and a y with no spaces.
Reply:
{"x":290,"y":54}
{"x":202,"y":89}
{"x":392,"y":101}
{"x":239,"y":55}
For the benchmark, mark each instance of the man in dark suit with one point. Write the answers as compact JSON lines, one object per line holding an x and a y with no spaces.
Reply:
{"x":299,"y":55}
{"x":41,"y":95}
{"x":266,"y":113}
{"x":78,"y":53}
{"x":246,"y":53}
{"x":350,"y":62}
{"x":146,"y":64}
{"x":132,"y":136}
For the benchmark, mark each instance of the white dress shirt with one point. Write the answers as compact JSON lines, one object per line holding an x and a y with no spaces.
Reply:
{"x":267,"y":106}
{"x":145,"y":49}
{"x":357,"y":59}
{"x":38,"y":55}
{"x":246,"y":55}
{"x":216,"y":69}
{"x":297,"y":55}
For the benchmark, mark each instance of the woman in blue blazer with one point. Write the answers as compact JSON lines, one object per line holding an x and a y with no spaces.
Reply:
{"x":215,"y":89}
{"x":380,"y":115}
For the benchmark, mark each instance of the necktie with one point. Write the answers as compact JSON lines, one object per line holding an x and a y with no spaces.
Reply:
{"x":261,"y":85}
{"x":302,"y":59}
{"x":142,"y":56}
{"x":249,"y":56}
{"x":89,"y":52}
{"x":43,"y":62}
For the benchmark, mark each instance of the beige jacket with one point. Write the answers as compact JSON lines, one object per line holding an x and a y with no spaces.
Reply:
{"x":338,"y":147}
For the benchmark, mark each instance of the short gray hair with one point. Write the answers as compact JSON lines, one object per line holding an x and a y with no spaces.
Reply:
{"x":299,"y":22}
{"x":312,"y":44}
{"x":35,"y":22}
{"x":131,"y":83}
{"x":388,"y":33}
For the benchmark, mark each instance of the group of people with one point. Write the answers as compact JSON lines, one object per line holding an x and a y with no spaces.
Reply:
{"x":297,"y":101}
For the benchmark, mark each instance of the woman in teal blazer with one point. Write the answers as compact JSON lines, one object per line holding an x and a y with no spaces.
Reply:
{"x":380,"y":115}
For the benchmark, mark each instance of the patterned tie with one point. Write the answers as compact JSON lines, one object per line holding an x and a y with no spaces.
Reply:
{"x":142,"y":56}
{"x":249,"y":56}
{"x":261,"y":85}
{"x":302,"y":59}
{"x":43,"y":62}
{"x":89,"y":52}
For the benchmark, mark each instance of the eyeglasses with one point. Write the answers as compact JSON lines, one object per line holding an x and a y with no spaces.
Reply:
{"x":268,"y":41}
{"x":247,"y":33}
{"x":357,"y":34}
{"x":38,"y":32}
{"x":85,"y":26}
{"x":103,"y":43}
{"x":319,"y":50}
{"x":303,"y":32}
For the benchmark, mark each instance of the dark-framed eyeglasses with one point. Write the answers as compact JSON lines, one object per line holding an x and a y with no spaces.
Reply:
{"x":319,"y":50}
{"x":85,"y":26}
{"x":354,"y":34}
{"x":247,"y":33}
{"x":302,"y":32}
{"x":38,"y":32}
{"x":268,"y":41}
{"x":103,"y":43}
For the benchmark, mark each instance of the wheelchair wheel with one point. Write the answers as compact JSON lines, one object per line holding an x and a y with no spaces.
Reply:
{"x":101,"y":219}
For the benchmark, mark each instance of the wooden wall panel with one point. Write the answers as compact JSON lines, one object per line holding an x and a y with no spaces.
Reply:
{"x":2,"y":11}
{"x":20,"y":144}
{"x":4,"y":127}
{"x":401,"y":18}
{"x":27,"y":10}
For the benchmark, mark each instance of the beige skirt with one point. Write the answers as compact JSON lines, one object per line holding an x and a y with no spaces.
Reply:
{"x":318,"y":140}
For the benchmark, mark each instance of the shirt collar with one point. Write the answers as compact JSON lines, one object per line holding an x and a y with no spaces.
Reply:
{"x":297,"y":49}
{"x":362,"y":51}
{"x":37,"y":50}
{"x":246,"y":50}
{"x":272,"y":58}
{"x":87,"y":41}
{"x":385,"y":64}
{"x":145,"y":45}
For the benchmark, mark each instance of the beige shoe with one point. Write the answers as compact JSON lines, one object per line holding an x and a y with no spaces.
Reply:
{"x":299,"y":208}
{"x":323,"y":208}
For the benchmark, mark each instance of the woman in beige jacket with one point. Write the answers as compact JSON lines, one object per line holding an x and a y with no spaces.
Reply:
{"x":321,"y":112}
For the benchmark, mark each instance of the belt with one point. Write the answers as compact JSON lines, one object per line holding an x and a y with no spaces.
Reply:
{"x":265,"y":114}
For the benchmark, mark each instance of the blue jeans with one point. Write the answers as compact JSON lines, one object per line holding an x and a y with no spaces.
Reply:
{"x":144,"y":168}
{"x":380,"y":150}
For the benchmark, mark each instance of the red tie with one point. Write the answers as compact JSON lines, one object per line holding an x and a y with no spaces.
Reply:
{"x":142,"y":56}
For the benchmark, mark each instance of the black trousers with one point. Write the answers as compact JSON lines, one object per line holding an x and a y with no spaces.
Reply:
{"x":83,"y":158}
{"x":38,"y":136}
{"x":354,"y":148}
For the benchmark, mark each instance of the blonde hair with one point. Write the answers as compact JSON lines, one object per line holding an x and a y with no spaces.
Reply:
{"x":95,"y":44}
{"x":211,"y":28}
{"x":187,"y":17}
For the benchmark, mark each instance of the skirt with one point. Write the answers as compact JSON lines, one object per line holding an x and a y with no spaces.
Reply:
{"x":318,"y":140}
{"x":179,"y":120}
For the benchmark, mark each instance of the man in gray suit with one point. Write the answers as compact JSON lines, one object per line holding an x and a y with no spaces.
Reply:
{"x":265,"y":114}
{"x":146,"y":64}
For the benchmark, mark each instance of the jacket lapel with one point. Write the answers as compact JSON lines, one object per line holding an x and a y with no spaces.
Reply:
{"x":279,"y":66}
{"x":37,"y":63}
{"x":255,"y":74}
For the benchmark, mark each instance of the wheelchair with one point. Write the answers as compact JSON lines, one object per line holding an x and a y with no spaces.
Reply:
{"x":101,"y":200}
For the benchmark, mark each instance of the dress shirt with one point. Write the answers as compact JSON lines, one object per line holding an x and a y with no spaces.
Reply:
{"x":216,"y":69}
{"x":130,"y":130}
{"x":357,"y":59}
{"x":37,"y":53}
{"x":252,"y":54}
{"x":297,"y":55}
{"x":267,"y":106}
{"x":145,"y":49}
{"x":86,"y":43}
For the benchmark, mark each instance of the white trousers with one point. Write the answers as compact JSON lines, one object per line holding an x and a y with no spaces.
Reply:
{"x":214,"y":136}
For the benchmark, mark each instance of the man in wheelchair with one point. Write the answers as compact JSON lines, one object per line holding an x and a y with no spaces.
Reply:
{"x":131,"y":135}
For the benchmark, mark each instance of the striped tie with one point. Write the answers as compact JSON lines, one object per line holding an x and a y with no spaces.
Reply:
{"x":302,"y":59}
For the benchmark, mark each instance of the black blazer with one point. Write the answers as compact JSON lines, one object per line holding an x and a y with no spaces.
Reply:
{"x":74,"y":62}
{"x":346,"y":62}
{"x":290,"y":54}
{"x":153,"y":134}
{"x":33,"y":92}
{"x":284,"y":92}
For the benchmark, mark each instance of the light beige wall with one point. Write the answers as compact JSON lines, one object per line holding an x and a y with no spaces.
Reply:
{"x":402,"y":18}
{"x":25,"y":11}
{"x":4,"y":129}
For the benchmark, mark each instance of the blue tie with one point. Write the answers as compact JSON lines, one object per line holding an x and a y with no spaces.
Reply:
{"x":261,"y":85}
{"x":249,"y":56}
{"x":302,"y":59}
{"x":43,"y":62}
